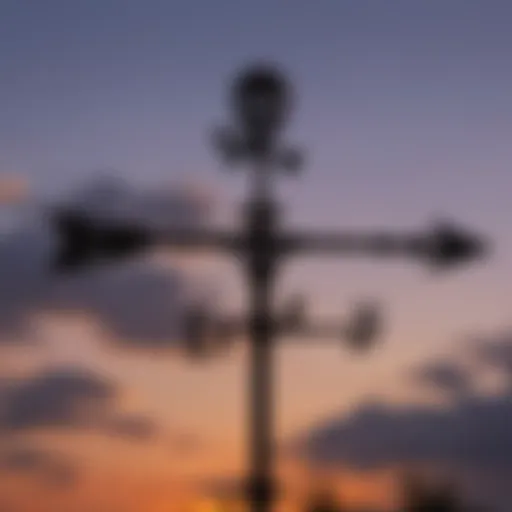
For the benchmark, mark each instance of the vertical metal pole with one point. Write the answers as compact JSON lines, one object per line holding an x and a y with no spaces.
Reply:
{"x":262,"y":260}
{"x":261,"y":406}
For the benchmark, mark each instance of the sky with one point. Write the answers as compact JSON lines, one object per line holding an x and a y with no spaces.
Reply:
{"x":403,"y":111}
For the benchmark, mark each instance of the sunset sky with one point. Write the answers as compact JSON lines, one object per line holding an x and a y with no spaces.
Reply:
{"x":404,"y":111}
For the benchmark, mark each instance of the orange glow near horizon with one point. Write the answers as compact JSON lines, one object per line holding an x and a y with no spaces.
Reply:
{"x":135,"y":490}
{"x":156,"y":475}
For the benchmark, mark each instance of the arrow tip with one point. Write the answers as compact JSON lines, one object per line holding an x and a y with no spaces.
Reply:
{"x":452,"y":245}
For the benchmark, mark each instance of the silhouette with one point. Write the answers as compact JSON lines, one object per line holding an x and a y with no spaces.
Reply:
{"x":261,"y":102}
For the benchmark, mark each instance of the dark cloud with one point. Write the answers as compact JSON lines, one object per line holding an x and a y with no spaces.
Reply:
{"x":111,"y":197}
{"x":471,"y":436}
{"x":63,"y":397}
{"x":139,"y":305}
{"x":473,"y":432}
{"x":446,"y":376}
{"x":51,"y":467}
{"x":113,"y":296}
{"x":66,"y":398}
{"x":496,"y":351}
{"x":25,"y":283}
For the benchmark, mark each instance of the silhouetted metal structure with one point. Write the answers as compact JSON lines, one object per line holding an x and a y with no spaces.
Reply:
{"x":261,"y":101}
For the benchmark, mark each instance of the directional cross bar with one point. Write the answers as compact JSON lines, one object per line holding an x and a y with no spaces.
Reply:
{"x":202,"y":329}
{"x":84,"y":239}
{"x":444,"y":245}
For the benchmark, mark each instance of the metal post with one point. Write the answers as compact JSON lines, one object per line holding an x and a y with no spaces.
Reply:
{"x":261,"y":403}
{"x":262,"y":259}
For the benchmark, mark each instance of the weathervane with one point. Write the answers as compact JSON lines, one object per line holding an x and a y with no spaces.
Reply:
{"x":261,"y":101}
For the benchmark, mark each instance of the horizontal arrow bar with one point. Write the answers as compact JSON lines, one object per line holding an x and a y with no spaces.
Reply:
{"x":335,"y":243}
{"x":442,"y":246}
{"x":83,"y":240}
{"x":197,"y":239}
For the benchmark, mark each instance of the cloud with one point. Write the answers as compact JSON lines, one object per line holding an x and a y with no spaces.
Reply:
{"x":66,"y":398}
{"x":472,"y":432}
{"x":49,"y":466}
{"x":108,"y":196}
{"x":62,"y":397}
{"x":446,"y":376}
{"x":24,"y":281}
{"x":139,"y":305}
{"x":112,"y":296}
{"x":496,"y":351}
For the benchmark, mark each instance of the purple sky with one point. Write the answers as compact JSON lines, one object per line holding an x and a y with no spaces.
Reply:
{"x":404,"y":108}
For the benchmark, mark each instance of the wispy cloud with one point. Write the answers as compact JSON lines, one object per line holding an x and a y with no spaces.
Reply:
{"x":447,"y":376}
{"x":110,"y":296}
{"x":496,"y":351}
{"x":470,"y":434}
{"x":67,"y":398}
{"x":49,"y":466}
